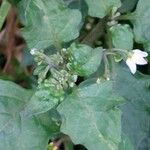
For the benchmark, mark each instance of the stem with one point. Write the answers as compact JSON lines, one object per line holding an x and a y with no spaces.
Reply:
{"x":4,"y":9}
{"x":108,"y":39}
{"x":58,"y":143}
{"x":107,"y":71}
{"x":130,"y":16}
{"x":119,"y":50}
{"x":96,"y":33}
{"x":10,"y":32}
{"x":110,"y":53}
{"x":47,"y":59}
{"x":68,"y":145}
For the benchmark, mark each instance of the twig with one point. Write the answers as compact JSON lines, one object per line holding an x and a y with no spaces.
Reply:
{"x":10,"y":30}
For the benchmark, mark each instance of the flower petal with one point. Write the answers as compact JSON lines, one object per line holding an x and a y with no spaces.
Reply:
{"x":131,"y":65}
{"x":140,"y":53}
{"x":139,"y":60}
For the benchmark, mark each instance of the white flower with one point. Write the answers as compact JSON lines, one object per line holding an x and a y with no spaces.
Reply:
{"x":33,"y":51}
{"x":136,"y":57}
{"x":75,"y":77}
{"x":71,"y":84}
{"x":98,"y":80}
{"x":64,"y":49}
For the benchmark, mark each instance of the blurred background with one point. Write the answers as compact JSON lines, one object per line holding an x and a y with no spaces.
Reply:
{"x":16,"y":63}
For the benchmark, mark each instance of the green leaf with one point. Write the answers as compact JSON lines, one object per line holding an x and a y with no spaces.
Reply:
{"x":41,"y":102}
{"x":122,"y":36}
{"x":48,"y":22}
{"x":16,"y":132}
{"x":138,"y":84}
{"x":100,"y":8}
{"x":4,"y":9}
{"x":90,"y":116}
{"x":135,"y":114}
{"x":135,"y":123}
{"x":51,"y":122}
{"x":147,"y":46}
{"x":125,"y":143}
{"x":141,"y":22}
{"x":84,"y":60}
{"x":145,"y":144}
{"x":48,"y":95}
{"x":127,"y":5}
{"x":78,"y":4}
{"x":11,"y":90}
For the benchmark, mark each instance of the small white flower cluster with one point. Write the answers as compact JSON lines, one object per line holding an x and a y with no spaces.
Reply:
{"x":136,"y":57}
